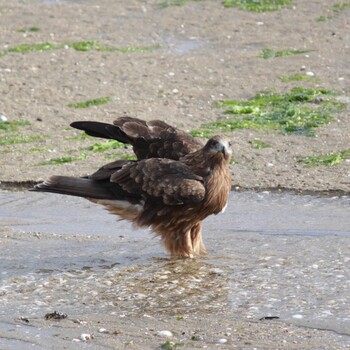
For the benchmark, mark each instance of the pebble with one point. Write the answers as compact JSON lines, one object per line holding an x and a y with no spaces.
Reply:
{"x":140,"y":296}
{"x":222,"y":341}
{"x":86,"y":337}
{"x":310,"y":74}
{"x":298,"y":316}
{"x":102,"y":330}
{"x":3,"y":118}
{"x":165,"y":334}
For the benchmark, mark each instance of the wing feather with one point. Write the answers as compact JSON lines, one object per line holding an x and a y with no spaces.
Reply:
{"x":170,"y":181}
{"x":106,"y":171}
{"x":153,"y":139}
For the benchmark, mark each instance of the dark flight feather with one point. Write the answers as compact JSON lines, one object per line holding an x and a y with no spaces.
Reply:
{"x":154,"y":139}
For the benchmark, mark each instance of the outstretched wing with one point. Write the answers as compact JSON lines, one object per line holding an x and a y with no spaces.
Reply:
{"x":153,"y":139}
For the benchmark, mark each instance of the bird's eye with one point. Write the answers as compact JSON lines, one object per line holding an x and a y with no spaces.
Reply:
{"x":230,"y":143}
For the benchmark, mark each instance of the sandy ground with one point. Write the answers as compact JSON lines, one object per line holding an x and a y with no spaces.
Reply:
{"x":207,"y":53}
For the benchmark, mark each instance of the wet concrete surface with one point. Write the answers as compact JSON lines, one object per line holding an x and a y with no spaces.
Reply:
{"x":279,"y":255}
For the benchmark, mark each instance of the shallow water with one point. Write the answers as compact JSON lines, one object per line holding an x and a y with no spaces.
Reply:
{"x":269,"y":255}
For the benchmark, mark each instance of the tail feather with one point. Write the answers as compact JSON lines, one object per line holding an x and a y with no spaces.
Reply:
{"x":80,"y":187}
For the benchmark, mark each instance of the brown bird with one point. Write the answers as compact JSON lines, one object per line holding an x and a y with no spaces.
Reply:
{"x":175,"y":183}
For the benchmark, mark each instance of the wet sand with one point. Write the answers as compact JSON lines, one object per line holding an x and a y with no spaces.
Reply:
{"x":117,"y":284}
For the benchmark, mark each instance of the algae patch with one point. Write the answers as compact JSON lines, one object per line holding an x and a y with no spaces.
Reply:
{"x":89,"y":103}
{"x":111,"y":145}
{"x":61,"y":160}
{"x":258,"y":144}
{"x":299,"y":77}
{"x":9,"y":134}
{"x":333,"y":11}
{"x":258,"y":5}
{"x":17,"y":139}
{"x":168,"y":3}
{"x":86,"y":45}
{"x":138,"y":48}
{"x":298,"y":111}
{"x":12,"y":125}
{"x":330,"y":159}
{"x":169,"y":345}
{"x":97,"y":46}
{"x":105,"y":146}
{"x":24,"y":48}
{"x":28,"y":30}
{"x":269,"y":53}
{"x":80,"y":137}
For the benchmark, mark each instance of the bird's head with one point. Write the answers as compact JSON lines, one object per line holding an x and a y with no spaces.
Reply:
{"x":219,"y":147}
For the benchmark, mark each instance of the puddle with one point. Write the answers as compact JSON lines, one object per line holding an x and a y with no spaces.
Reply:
{"x":269,"y":255}
{"x":182,"y":47}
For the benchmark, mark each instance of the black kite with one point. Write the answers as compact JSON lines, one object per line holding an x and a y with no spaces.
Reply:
{"x":175,"y":183}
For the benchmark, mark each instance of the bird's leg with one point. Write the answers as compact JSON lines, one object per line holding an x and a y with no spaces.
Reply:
{"x":179,"y":244}
{"x":186,"y":248}
{"x":197,"y":242}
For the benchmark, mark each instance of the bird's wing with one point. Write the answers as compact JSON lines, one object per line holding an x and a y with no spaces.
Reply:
{"x":168,"y":181}
{"x":153,"y":139}
{"x":106,"y":171}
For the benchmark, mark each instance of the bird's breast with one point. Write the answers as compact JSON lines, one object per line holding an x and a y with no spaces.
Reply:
{"x":218,"y":186}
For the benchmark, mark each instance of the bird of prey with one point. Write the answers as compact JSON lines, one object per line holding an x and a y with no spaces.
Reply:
{"x":175,"y":183}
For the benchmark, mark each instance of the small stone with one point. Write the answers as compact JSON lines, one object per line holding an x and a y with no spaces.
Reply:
{"x":222,"y":341}
{"x":165,"y":334}
{"x":310,"y":74}
{"x":86,"y":337}
{"x":171,"y":74}
{"x":140,"y":296}
{"x":102,"y":330}
{"x":197,"y":338}
{"x":298,"y":316}
{"x":55,"y":316}
{"x":3,"y":118}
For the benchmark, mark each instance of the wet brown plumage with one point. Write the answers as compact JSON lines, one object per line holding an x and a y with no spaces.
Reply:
{"x":175,"y":183}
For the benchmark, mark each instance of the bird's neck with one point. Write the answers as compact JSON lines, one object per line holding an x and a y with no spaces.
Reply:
{"x":218,"y":185}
